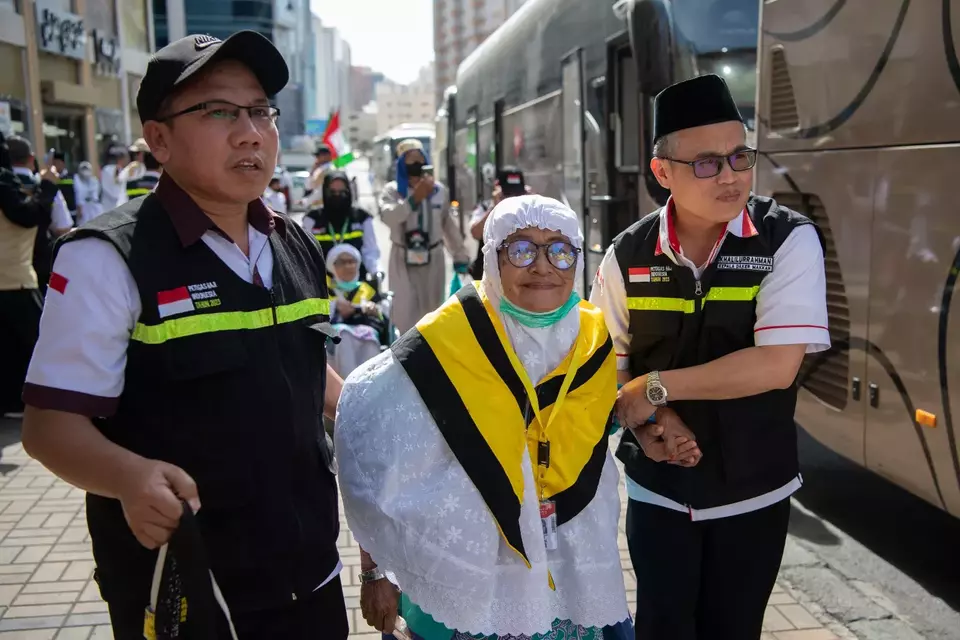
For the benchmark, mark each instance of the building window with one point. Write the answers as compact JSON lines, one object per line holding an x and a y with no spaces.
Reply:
{"x":100,"y":15}
{"x":133,"y":16}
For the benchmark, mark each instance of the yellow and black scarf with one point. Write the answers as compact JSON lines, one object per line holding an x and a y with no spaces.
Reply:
{"x":461,"y":362}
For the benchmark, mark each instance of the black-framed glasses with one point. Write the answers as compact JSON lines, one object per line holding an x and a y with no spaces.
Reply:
{"x":711,"y":166}
{"x":221,"y":110}
{"x":523,"y":253}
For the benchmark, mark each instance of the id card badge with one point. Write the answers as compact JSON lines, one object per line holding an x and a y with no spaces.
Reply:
{"x":548,"y":521}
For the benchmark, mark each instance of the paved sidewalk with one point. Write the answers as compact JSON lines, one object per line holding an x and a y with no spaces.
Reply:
{"x":47,"y":590}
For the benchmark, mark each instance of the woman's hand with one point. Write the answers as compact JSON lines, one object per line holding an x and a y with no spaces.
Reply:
{"x":369,"y":309}
{"x":378,"y":604}
{"x":344,"y":309}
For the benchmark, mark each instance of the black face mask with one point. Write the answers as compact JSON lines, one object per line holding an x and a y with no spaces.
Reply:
{"x":337,"y":201}
{"x":415,"y":169}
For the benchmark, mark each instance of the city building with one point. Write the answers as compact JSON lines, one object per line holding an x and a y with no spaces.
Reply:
{"x":70,"y":71}
{"x":363,"y":86}
{"x":459,"y":26}
{"x":361,"y":126}
{"x":332,"y":70}
{"x":397,"y":103}
{"x":285,"y":22}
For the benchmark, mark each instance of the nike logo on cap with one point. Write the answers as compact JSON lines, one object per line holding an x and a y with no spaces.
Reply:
{"x":202,"y":42}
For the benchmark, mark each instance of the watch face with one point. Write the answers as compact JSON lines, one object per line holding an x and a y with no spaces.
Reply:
{"x":656,"y":395}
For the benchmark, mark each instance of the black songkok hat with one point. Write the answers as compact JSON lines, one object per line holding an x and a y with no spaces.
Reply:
{"x":693,"y":103}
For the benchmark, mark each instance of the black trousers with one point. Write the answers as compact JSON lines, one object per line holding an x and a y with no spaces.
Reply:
{"x":320,"y":616}
{"x":707,"y":580}
{"x":20,"y":311}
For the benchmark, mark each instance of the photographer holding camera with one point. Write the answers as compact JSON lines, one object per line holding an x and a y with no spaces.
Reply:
{"x":509,"y":183}
{"x":25,"y":206}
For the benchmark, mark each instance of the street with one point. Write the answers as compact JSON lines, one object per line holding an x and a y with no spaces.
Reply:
{"x":864,"y":559}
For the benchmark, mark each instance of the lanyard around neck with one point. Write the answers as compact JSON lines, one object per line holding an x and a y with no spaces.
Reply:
{"x":343,"y":232}
{"x":528,"y":385}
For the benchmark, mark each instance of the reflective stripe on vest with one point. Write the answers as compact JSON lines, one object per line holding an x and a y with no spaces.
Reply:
{"x":720,"y":294}
{"x":133,"y":193}
{"x":228,"y":321}
{"x":326,"y":237}
{"x":66,"y":181}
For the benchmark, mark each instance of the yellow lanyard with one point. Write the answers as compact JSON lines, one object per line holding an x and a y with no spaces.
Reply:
{"x":532,"y":392}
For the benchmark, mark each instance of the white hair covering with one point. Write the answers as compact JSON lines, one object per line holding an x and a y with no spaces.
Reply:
{"x":523,"y":212}
{"x":339,"y":250}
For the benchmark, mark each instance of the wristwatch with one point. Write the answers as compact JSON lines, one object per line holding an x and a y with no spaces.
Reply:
{"x":372,"y":575}
{"x":656,"y":392}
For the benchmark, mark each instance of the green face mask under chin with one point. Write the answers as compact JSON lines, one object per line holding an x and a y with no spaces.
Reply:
{"x":540,"y":320}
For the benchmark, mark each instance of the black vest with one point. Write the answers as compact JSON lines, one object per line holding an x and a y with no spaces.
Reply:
{"x":224,"y":379}
{"x":749,"y":444}
{"x":141,"y":186}
{"x":66,"y":188}
{"x":330,"y":235}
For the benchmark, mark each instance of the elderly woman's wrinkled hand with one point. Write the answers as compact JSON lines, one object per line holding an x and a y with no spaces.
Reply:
{"x":632,"y":408}
{"x":668,"y":440}
{"x":679,"y":441}
{"x":378,"y":604}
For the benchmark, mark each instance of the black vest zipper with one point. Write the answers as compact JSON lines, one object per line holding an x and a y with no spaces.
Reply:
{"x":273,"y":306}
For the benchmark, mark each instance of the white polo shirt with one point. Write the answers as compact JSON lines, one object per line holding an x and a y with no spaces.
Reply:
{"x":791,"y":309}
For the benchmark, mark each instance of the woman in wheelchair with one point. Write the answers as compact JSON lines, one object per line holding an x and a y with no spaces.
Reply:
{"x":355,"y":311}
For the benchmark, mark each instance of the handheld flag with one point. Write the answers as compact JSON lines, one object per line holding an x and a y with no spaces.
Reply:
{"x":333,"y":137}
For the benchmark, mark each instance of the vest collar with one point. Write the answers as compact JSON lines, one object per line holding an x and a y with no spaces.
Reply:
{"x":668,"y":243}
{"x":191,"y":222}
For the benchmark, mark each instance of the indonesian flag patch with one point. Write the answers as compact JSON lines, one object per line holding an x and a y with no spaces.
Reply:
{"x":639,"y":274}
{"x":174,"y":301}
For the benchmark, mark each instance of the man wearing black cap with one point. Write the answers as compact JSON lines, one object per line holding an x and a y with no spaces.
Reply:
{"x":712,"y":302}
{"x":181,"y":359}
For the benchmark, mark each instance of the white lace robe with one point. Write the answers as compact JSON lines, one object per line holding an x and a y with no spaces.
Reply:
{"x":410,"y":505}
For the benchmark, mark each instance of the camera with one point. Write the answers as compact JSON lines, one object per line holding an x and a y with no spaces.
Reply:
{"x":427,"y":170}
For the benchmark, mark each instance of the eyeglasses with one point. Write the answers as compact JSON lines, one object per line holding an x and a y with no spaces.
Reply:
{"x":523,"y":253}
{"x":711,"y":166}
{"x":223,"y":111}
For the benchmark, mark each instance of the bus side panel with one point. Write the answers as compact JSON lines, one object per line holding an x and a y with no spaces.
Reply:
{"x":840,"y":87}
{"x":533,"y":142}
{"x":827,"y":406}
{"x":916,"y":237}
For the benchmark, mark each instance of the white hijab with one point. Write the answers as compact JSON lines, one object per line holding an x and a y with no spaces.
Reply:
{"x":410,"y":504}
{"x":540,"y":349}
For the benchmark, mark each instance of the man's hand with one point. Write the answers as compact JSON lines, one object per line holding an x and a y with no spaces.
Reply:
{"x":423,"y":189}
{"x":680,"y":442}
{"x":344,"y":308}
{"x":497,"y":194}
{"x":668,"y":440}
{"x":50,"y":174}
{"x":151,"y":500}
{"x":378,"y":604}
{"x":632,"y":407}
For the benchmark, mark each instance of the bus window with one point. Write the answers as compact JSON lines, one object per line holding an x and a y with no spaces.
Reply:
{"x":720,"y":36}
{"x":486,"y":158}
{"x":628,"y":138}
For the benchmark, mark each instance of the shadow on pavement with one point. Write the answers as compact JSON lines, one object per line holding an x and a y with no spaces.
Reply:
{"x":910,"y":534}
{"x":9,"y":434}
{"x":811,"y":529}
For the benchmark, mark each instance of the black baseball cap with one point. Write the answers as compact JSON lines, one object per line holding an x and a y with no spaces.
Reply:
{"x":179,"y":61}
{"x":511,"y":180}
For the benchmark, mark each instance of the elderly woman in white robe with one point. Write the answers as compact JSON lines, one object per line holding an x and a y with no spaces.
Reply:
{"x":473,"y":454}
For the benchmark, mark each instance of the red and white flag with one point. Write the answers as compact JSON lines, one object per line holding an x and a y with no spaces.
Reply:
{"x":639,"y":274}
{"x":174,"y":301}
{"x":333,"y":137}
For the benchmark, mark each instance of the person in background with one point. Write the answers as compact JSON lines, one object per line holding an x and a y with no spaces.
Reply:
{"x":147,"y":178}
{"x":135,"y":169}
{"x":112,"y":188}
{"x":24,"y":205}
{"x":313,"y":193}
{"x":416,"y":208}
{"x":339,"y":221}
{"x":355,"y":311}
{"x":48,"y":228}
{"x":65,"y":184}
{"x":87,"y":189}
{"x":712,"y":302}
{"x":274,"y":196}
{"x":509,"y":184}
